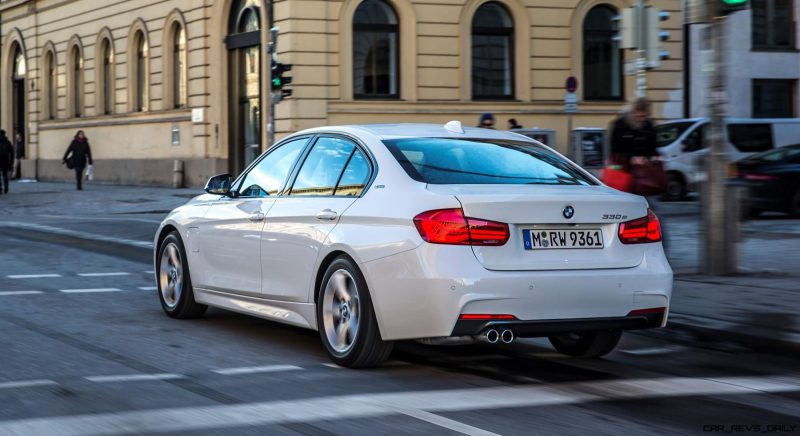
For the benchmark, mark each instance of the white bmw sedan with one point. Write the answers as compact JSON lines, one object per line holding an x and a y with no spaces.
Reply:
{"x":378,"y":233}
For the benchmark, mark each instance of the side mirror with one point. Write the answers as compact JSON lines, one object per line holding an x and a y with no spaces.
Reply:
{"x":219,"y":184}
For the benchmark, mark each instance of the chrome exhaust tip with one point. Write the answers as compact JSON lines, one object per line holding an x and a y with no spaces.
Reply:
{"x":492,"y":336}
{"x":507,"y":336}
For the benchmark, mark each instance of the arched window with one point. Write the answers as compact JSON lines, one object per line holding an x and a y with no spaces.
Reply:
{"x":492,"y":53}
{"x":602,"y":57}
{"x":140,"y":71}
{"x":375,"y":51}
{"x":107,"y":77}
{"x":178,"y":66}
{"x":77,"y":81}
{"x":52,"y":85}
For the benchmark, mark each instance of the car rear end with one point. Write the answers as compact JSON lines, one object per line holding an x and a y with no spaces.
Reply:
{"x":533,"y":246}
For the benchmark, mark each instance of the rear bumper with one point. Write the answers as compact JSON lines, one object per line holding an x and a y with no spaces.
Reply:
{"x":541,"y":328}
{"x":421,"y":293}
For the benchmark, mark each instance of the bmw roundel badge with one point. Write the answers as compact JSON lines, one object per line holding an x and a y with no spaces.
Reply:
{"x":569,"y":212}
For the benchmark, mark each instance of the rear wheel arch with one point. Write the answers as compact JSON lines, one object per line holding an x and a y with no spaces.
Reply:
{"x":323,"y":266}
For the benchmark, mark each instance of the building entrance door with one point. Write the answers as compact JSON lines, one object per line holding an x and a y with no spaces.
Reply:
{"x":244,"y":78}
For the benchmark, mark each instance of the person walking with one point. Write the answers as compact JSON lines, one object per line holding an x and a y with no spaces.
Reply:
{"x":77,"y":155}
{"x":633,"y":135}
{"x":486,"y":120}
{"x":6,"y":161}
{"x":512,"y":124}
{"x":19,"y":147}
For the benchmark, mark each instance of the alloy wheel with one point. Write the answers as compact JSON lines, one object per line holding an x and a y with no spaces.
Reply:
{"x":341,"y":311}
{"x":170,"y":279}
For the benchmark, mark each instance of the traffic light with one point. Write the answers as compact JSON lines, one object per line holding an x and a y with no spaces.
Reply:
{"x":730,"y":6}
{"x":625,"y":23}
{"x":655,"y":36}
{"x":279,"y":81}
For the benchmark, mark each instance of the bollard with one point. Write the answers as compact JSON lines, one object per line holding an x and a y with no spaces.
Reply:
{"x":177,"y":174}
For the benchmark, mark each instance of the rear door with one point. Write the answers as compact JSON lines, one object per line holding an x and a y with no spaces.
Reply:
{"x":331,"y":177}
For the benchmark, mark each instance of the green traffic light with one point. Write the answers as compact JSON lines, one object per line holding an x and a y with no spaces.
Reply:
{"x":734,"y":2}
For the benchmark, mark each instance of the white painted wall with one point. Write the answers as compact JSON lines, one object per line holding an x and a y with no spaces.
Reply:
{"x":743,"y":65}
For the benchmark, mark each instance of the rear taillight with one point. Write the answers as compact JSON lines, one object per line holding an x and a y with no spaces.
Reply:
{"x":641,"y":230}
{"x":757,"y":177}
{"x":450,"y":226}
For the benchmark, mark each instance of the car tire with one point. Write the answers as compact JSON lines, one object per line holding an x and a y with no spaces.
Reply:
{"x":174,"y":282}
{"x":676,"y":188}
{"x":346,"y":319}
{"x":586,"y":344}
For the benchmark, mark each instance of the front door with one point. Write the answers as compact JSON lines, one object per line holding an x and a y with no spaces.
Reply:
{"x":18,"y":97}
{"x":229,"y":238}
{"x":332,"y":176}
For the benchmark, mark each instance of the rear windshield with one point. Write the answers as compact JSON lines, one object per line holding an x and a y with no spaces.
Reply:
{"x":667,"y":133}
{"x":445,"y":161}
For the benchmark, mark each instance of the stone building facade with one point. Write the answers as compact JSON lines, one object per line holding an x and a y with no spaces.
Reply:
{"x":152,"y":82}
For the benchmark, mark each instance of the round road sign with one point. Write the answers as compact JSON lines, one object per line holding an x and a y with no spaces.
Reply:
{"x":572,"y":84}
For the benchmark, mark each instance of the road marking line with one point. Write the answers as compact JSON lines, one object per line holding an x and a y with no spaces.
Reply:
{"x":149,"y":272}
{"x":332,"y":365}
{"x":26,"y":384}
{"x":33,"y":276}
{"x":447,"y":423}
{"x":256,"y":369}
{"x":386,"y":404}
{"x":81,"y":291}
{"x":3,"y":293}
{"x":106,"y":274}
{"x":132,"y":377}
{"x":652,"y":351}
{"x":148,"y":288}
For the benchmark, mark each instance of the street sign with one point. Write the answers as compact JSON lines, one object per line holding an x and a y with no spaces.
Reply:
{"x":572,"y":84}
{"x":570,"y":103}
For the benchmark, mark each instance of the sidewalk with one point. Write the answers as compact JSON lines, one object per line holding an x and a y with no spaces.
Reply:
{"x":759,"y":308}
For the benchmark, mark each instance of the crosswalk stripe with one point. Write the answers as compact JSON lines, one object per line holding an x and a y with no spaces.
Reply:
{"x":3,"y":293}
{"x":374,"y":405}
{"x":132,"y":377}
{"x":148,"y":288}
{"x":26,"y":384}
{"x":87,"y":291}
{"x":105,"y":274}
{"x":256,"y":369}
{"x":33,"y":276}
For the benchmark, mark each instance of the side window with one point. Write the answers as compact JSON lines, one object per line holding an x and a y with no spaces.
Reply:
{"x":323,"y":167}
{"x":750,"y":138}
{"x":268,"y":176}
{"x":355,"y":176}
{"x":696,"y":140}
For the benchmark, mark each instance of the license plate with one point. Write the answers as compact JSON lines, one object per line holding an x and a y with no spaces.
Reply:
{"x":548,"y":239}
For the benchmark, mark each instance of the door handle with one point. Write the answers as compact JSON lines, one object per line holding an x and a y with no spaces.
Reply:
{"x":327,"y":214}
{"x":256,"y":217}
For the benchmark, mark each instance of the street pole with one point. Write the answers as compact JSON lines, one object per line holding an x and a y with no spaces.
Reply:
{"x":641,"y":61}
{"x":719,"y":256}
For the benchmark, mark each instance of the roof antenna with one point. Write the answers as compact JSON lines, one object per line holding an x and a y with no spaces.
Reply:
{"x":454,"y":127}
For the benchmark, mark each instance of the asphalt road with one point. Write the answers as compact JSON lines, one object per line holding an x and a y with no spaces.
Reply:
{"x":86,"y":349}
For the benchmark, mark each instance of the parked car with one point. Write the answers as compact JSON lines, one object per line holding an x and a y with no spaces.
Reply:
{"x":372,"y":234}
{"x":773,"y":181}
{"x":683,"y":143}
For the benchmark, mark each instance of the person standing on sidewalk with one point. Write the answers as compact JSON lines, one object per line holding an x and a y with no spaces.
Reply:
{"x":486,"y":120}
{"x":633,"y":136}
{"x":19,"y":146}
{"x":79,"y":153}
{"x":6,"y":161}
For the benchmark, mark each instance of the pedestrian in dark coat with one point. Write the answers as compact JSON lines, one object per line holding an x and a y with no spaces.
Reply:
{"x":633,"y":135}
{"x":79,"y":153}
{"x":6,"y":160}
{"x":19,"y":146}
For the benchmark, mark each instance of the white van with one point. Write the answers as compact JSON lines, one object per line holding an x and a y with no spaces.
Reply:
{"x":682,"y":142}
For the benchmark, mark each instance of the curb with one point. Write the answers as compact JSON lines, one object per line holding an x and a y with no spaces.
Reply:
{"x":749,"y":336}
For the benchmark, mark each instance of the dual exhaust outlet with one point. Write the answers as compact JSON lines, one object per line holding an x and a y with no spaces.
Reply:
{"x":493,"y":336}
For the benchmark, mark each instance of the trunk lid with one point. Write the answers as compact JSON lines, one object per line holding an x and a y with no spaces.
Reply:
{"x":541,"y":208}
